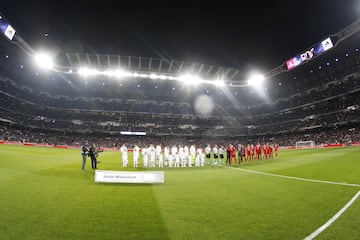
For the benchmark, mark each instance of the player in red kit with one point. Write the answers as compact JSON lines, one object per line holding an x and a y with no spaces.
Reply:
{"x":233,"y":153}
{"x":276,"y":149}
{"x":263,"y":149}
{"x":252,"y":149}
{"x":248,"y":152}
{"x":271,"y":156}
{"x":258,"y":151}
{"x":268,"y":151}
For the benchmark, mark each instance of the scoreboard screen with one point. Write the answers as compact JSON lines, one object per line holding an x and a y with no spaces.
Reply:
{"x":312,"y":52}
{"x":6,"y":28}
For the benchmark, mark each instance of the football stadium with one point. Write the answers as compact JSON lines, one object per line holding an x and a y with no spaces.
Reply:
{"x":100,"y":145}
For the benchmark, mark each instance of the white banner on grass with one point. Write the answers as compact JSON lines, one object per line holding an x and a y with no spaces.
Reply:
{"x":107,"y":176}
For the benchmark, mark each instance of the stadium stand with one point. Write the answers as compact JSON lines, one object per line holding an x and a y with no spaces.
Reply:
{"x":318,"y":101}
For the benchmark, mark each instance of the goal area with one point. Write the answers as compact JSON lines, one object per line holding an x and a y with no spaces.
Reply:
{"x":305,"y":144}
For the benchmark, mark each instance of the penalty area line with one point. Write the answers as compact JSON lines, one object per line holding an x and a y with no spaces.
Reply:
{"x":333,"y":219}
{"x":294,"y":178}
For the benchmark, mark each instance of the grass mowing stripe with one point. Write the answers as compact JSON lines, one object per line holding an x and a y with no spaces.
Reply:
{"x":333,"y":219}
{"x":295,"y":178}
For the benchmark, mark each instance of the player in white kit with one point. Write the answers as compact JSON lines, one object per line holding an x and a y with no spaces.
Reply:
{"x":151,"y":150}
{"x":216,"y":155}
{"x":186,"y":156}
{"x":175,"y":155}
{"x":157,"y":154}
{"x":136,"y":151}
{"x":145,"y":154}
{"x":192,"y":155}
{"x":166,"y":155}
{"x":124,"y":155}
{"x":182,"y":156}
{"x":198,"y":157}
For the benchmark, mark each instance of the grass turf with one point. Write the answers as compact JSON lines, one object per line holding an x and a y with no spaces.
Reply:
{"x":45,"y":195}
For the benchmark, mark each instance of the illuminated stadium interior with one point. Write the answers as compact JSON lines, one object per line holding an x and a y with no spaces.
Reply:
{"x":102,"y":95}
{"x":175,"y":120}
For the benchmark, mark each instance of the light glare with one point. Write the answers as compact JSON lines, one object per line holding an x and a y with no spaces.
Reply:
{"x":257,"y":79}
{"x":44,"y":60}
{"x":190,"y":79}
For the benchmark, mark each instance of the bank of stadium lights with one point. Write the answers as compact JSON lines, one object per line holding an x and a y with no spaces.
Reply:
{"x":187,"y":78}
{"x":45,"y":61}
{"x":88,"y":72}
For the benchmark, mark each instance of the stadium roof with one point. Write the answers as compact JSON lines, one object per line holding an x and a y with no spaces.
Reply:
{"x":227,"y":35}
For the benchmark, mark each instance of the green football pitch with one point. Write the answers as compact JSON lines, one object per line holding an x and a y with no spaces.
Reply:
{"x":44,"y":194}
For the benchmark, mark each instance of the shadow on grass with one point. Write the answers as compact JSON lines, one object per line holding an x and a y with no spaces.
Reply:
{"x":123,"y":210}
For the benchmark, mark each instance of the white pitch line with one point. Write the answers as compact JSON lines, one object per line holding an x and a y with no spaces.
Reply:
{"x":296,"y":178}
{"x":333,"y":219}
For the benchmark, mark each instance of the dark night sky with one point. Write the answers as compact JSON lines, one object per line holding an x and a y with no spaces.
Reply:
{"x":239,"y":34}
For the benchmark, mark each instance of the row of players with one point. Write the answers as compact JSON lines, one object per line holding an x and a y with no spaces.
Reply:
{"x":184,"y":156}
{"x":257,"y":152}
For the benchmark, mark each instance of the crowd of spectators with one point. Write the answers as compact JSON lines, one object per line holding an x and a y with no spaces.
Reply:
{"x":344,"y":86}
{"x":343,"y":135}
{"x":317,"y":107}
{"x":333,"y":104}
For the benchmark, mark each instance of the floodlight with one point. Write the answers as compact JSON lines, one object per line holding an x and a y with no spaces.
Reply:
{"x":88,"y":71}
{"x":219,"y":83}
{"x":84,"y":71}
{"x":256,"y":80}
{"x":133,"y":133}
{"x":154,"y":76}
{"x":257,"y":83}
{"x":190,"y":79}
{"x":109,"y":73}
{"x":44,"y":60}
{"x":120,"y":73}
{"x":144,"y":75}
